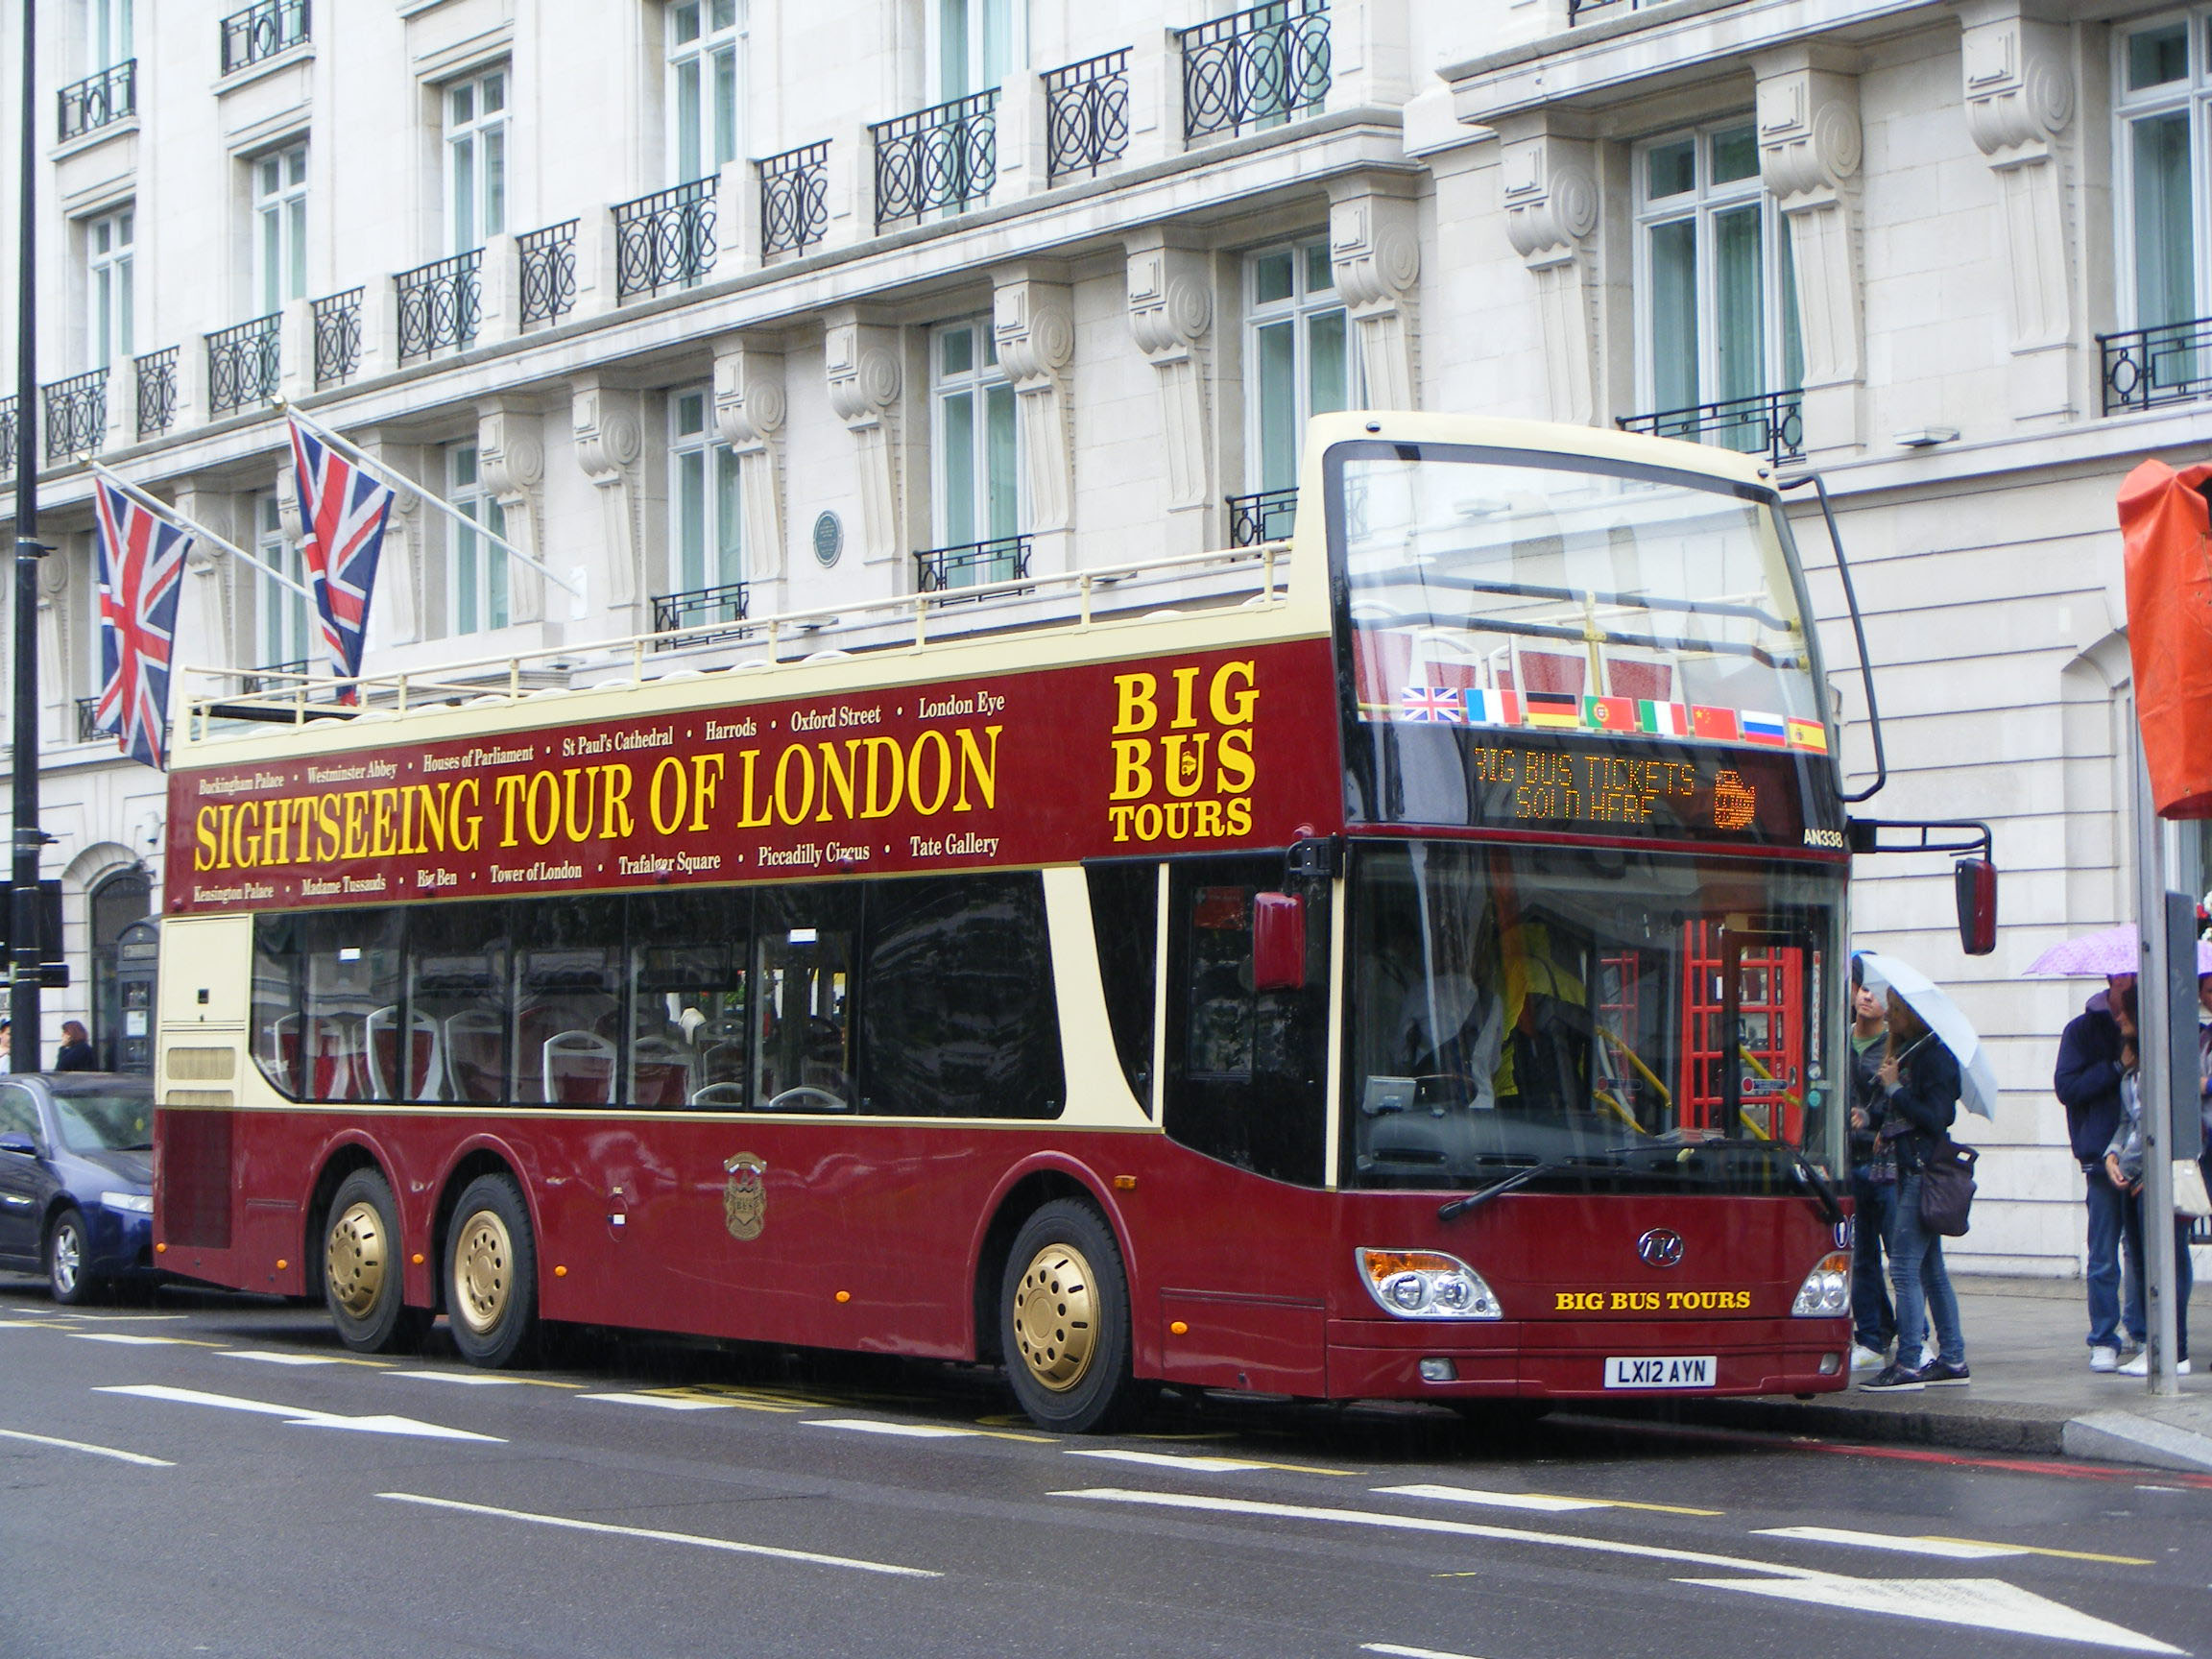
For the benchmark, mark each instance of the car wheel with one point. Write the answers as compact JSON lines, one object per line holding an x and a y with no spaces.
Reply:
{"x":492,"y":1274}
{"x":361,"y":1269}
{"x":68,"y":1259}
{"x":1064,"y":1322}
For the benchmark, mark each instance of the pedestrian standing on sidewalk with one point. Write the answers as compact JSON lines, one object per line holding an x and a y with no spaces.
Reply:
{"x":2094,"y":1052}
{"x":2204,"y":1072}
{"x":1919,"y":1081}
{"x":1873,"y":1180}
{"x":2124,"y":1168}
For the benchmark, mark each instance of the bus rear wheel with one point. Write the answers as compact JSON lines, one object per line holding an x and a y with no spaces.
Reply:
{"x":492,"y":1274}
{"x":361,"y":1273}
{"x":1064,"y":1322}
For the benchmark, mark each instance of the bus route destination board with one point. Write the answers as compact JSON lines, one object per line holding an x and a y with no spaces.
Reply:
{"x":1205,"y":751}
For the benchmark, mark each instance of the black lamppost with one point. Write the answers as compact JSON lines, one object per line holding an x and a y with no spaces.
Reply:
{"x":24,"y":913}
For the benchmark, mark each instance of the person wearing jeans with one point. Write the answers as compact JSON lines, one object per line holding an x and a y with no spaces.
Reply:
{"x":2094,"y":1053}
{"x":2123,"y":1171}
{"x":1920,"y":1079}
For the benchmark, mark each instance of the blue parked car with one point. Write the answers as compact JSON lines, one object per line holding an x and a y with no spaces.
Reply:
{"x":77,"y":1179}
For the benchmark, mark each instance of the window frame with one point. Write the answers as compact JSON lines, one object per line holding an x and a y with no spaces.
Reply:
{"x":692,"y":146}
{"x":109,"y":317}
{"x":722,"y":550}
{"x":278,"y":613}
{"x":110,"y":34}
{"x":480,"y":137}
{"x":279,"y":225}
{"x":983,"y":380}
{"x":1303,"y":306}
{"x":490,"y":591}
{"x":976,"y":67}
{"x":1779,"y":337}
{"x":2191,"y":96}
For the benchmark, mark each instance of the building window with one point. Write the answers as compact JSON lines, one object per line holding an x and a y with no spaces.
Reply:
{"x":1719,"y":314}
{"x":2164,"y":89}
{"x":477,"y":574}
{"x":707,"y":548}
{"x":703,"y":40}
{"x":1298,"y":355}
{"x":974,"y":45}
{"x":109,"y":36}
{"x":978,"y":481}
{"x":477,"y":158}
{"x":279,"y":613}
{"x":281,"y":227}
{"x":108,"y":292}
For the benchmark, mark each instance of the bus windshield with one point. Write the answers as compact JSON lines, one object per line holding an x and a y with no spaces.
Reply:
{"x":1548,"y":580}
{"x":1619,"y":1016}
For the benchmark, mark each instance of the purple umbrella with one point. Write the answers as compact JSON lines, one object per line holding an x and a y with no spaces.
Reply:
{"x":2099,"y":954}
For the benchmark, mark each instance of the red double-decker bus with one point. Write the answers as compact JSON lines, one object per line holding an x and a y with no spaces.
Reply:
{"x":1403,"y":961}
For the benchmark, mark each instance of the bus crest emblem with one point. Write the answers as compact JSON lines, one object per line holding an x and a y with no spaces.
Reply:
{"x":745,"y":1196}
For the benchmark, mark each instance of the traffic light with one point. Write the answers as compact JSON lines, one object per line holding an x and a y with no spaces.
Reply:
{"x":53,"y":971}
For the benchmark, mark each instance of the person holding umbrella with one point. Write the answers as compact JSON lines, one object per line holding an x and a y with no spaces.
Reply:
{"x":2124,"y":1169}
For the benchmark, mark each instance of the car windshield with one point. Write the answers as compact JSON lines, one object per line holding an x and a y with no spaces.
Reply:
{"x":1625,"y":1016}
{"x":106,"y":1123}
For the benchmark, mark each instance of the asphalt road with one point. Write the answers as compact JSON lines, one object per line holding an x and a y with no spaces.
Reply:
{"x":213,"y":1475}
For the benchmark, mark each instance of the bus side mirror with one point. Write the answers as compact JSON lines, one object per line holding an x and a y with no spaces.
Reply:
{"x":1278,"y":941}
{"x":1975,"y":887}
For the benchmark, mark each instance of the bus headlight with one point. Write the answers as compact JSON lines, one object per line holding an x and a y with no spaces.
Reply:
{"x":1827,"y":1290}
{"x":1425,"y":1284}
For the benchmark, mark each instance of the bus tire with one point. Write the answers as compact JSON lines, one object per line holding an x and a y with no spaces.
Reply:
{"x":362,"y":1278}
{"x":492,"y":1274}
{"x":1064,"y":1322}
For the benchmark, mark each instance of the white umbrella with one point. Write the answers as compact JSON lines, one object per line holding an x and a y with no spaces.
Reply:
{"x":1977,"y":1077}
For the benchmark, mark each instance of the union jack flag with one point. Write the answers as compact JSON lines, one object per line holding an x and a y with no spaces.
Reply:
{"x":141,"y":574}
{"x":1438,"y":703}
{"x":343,"y":508}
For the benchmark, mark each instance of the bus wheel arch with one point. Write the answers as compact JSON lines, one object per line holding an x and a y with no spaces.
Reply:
{"x":485,"y":1238}
{"x":1028,"y":1193}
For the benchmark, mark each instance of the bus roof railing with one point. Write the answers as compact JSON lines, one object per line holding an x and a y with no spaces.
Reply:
{"x":283,"y":696}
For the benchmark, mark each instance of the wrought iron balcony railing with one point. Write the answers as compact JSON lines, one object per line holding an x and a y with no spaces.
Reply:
{"x":794,"y":198}
{"x":76,"y":414}
{"x":440,"y":304}
{"x":261,"y":31}
{"x":1255,"y":68}
{"x":2169,"y":363}
{"x":337,"y":319}
{"x":1086,"y":115}
{"x":664,"y":240}
{"x":243,"y":362}
{"x":1578,"y":10}
{"x":731,"y":602}
{"x":548,"y":273}
{"x":87,"y":713}
{"x":10,"y":440}
{"x":1268,"y":515}
{"x":156,"y":392}
{"x":100,"y":100}
{"x":947,"y":569}
{"x":939,"y":158}
{"x":280,"y":676}
{"x":1769,"y":424}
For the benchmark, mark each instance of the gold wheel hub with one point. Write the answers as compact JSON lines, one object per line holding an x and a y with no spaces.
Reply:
{"x":1056,"y":1316}
{"x":482,"y":1271}
{"x":357,"y":1257}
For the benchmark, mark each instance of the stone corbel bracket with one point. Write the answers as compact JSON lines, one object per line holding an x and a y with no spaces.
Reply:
{"x":1033,"y":321}
{"x":1547,"y":184}
{"x":866,"y":377}
{"x":212,"y":594}
{"x":58,"y":631}
{"x":1375,"y":248}
{"x":609,"y":427}
{"x":749,"y":410}
{"x":1810,"y":151}
{"x":511,"y":462}
{"x":1171,"y":318}
{"x":2020,"y":102}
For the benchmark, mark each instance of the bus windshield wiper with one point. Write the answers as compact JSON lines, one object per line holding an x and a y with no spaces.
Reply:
{"x":1802,"y":1170}
{"x":1454,"y":1209}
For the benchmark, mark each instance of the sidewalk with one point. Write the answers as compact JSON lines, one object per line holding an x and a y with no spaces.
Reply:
{"x":2032,"y":1391}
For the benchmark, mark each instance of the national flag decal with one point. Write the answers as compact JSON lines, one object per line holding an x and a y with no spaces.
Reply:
{"x":1431,"y":704}
{"x":1807,"y":734}
{"x":1609,"y":713}
{"x":1493,"y":707}
{"x":1764,"y":730}
{"x":1662,"y":719}
{"x":1560,"y":711}
{"x":1713,"y":725}
{"x":141,"y":574}
{"x":343,"y":509}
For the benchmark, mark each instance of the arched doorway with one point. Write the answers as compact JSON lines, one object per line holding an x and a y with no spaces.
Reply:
{"x":122,"y":899}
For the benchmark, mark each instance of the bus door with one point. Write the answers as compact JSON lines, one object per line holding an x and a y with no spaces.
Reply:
{"x":1751,"y":984}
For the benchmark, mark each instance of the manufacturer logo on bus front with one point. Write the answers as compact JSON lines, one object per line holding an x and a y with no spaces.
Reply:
{"x":1661,"y":1247}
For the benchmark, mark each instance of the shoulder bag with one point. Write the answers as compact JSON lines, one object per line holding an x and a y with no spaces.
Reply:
{"x":1947,"y":1187}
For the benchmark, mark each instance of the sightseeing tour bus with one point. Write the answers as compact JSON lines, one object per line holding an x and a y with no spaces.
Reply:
{"x":1403,"y":961}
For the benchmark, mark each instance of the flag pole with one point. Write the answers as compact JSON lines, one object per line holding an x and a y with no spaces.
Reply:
{"x":26,"y":912}
{"x":429,"y":498}
{"x":169,"y":515}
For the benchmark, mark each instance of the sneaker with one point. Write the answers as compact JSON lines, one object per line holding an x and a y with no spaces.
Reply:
{"x":2103,"y":1359}
{"x":2140,"y":1366}
{"x":1896,"y":1379}
{"x":1866,"y":1359}
{"x":1938,"y":1375}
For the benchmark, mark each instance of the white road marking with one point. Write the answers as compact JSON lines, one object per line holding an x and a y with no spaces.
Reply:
{"x":474,"y":1380}
{"x":1410,"y":1652}
{"x":656,"y":1535}
{"x":1944,"y":1549}
{"x":665,"y":1402}
{"x":269,"y":1356}
{"x":1537,"y":1500}
{"x":1979,"y":1603}
{"x":1199,"y":1465}
{"x":299,"y":1416}
{"x":905,"y":1431}
{"x":139,"y":1457}
{"x":130,"y":1341}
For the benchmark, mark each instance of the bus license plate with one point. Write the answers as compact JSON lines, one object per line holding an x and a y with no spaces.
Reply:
{"x":1694,"y":1371}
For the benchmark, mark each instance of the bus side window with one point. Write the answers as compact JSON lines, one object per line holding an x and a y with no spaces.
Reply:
{"x":802,"y":993}
{"x":352,"y":976}
{"x":567,"y":1002}
{"x":1125,"y":921}
{"x":688,"y":999}
{"x":276,"y":1017}
{"x":1245,"y":1079}
{"x":957,"y":1011}
{"x":456,"y":963}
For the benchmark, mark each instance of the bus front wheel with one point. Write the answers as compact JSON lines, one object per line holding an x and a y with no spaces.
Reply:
{"x":492,"y":1274}
{"x":361,"y":1274}
{"x":1064,"y":1322}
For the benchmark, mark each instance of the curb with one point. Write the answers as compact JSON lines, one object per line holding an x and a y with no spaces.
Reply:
{"x":2123,"y":1437}
{"x":2005,"y":1426}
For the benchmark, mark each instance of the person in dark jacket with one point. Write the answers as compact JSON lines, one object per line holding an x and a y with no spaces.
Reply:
{"x":76,"y":1053}
{"x":1919,"y":1081}
{"x":2124,"y":1168}
{"x":2097,"y":1049}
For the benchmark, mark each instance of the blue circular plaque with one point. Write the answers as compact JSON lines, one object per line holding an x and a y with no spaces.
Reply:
{"x":829,"y":538}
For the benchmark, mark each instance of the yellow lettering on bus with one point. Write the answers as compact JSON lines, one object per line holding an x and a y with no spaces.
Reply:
{"x":474,"y":822}
{"x":276,"y":832}
{"x":356,"y":844}
{"x":383,"y":840}
{"x":1183,"y":771}
{"x":1233,"y":762}
{"x":203,"y":832}
{"x":1233,"y":710}
{"x":569,"y":824}
{"x":702,"y":786}
{"x":785,"y":810}
{"x":883,"y":796}
{"x":246,"y":847}
{"x":1185,"y":718}
{"x":944,"y":774}
{"x":1137,"y":713}
{"x":1132,"y":768}
{"x":839,"y":776}
{"x":974,"y":765}
{"x":615,"y":820}
{"x":552,"y":818}
{"x":671,"y":769}
{"x":508,"y":792}
{"x":750,"y":816}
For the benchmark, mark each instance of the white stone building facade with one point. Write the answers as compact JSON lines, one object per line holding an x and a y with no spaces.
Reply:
{"x":827,"y":302}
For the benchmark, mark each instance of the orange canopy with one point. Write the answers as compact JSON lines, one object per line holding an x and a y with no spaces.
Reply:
{"x":2164,"y":518}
